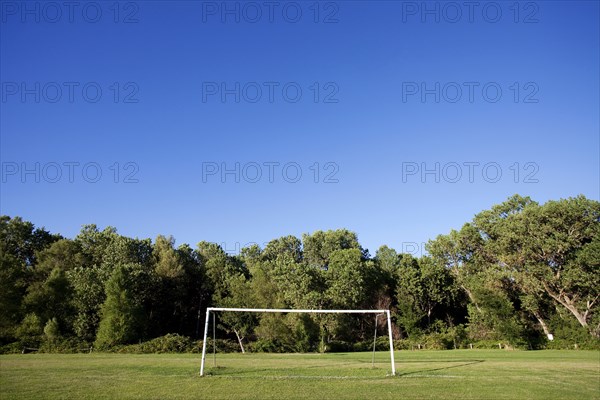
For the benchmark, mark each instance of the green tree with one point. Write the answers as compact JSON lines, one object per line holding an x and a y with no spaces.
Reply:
{"x":64,"y":254}
{"x":463,"y":253}
{"x":303,"y":287}
{"x":52,"y":331}
{"x":319,"y":246}
{"x":439,"y":289}
{"x":120,"y":323}
{"x":88,"y":296}
{"x":167,"y":303}
{"x":408,"y":293}
{"x":51,"y":298}
{"x":166,"y":258}
{"x":20,"y":241}
{"x":29,"y":332}
{"x":289,"y":245}
{"x":218,"y":266}
{"x":552,"y":249}
{"x":240,"y":296}
{"x":196,"y":291}
{"x":346,"y":278}
{"x":94,"y":243}
{"x":12,"y":290}
{"x":124,"y":250}
{"x":388,"y":260}
{"x":426,"y":293}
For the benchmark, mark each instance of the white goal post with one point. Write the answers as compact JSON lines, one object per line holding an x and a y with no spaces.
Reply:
{"x":283,"y":310}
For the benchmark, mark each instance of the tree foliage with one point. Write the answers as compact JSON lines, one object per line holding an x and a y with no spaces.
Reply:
{"x":120,"y":323}
{"x":515,"y":273}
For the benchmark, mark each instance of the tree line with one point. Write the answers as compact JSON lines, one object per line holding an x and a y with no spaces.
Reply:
{"x":518,"y":273}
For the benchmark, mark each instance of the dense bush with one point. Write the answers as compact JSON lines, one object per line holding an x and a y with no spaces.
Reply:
{"x":338,"y":346}
{"x":59,"y":345}
{"x":438,"y":341}
{"x":174,"y":343}
{"x":68,"y":346}
{"x":584,"y":342}
{"x":270,"y":346}
{"x":170,"y":343}
{"x":222,"y":345}
{"x":570,"y":335}
{"x":11,"y":348}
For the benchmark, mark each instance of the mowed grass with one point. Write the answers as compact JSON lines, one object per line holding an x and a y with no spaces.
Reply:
{"x":454,"y":374}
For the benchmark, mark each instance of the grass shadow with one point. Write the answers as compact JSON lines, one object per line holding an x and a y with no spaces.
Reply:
{"x":464,"y":364}
{"x":222,"y":371}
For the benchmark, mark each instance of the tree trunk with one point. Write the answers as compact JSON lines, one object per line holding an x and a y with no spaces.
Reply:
{"x":239,"y":340}
{"x":542,"y":323}
{"x":471,"y":297}
{"x":568,"y":304}
{"x":455,"y":271}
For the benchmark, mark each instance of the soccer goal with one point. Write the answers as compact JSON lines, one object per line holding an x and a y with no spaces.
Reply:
{"x":279,"y":310}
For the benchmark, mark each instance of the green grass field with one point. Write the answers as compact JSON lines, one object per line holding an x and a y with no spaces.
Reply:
{"x":455,"y":374}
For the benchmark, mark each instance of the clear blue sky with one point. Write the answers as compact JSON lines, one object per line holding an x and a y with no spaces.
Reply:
{"x":368,"y":126}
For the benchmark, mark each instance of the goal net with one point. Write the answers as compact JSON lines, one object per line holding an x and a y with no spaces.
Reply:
{"x":277,"y":310}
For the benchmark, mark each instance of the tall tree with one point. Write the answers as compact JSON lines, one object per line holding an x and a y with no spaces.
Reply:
{"x":551,"y":249}
{"x":240,"y":296}
{"x":290,"y":245}
{"x":319,"y":246}
{"x":93,"y":242}
{"x":120,"y":323}
{"x":88,"y":296}
{"x":20,"y":241}
{"x":168,"y":302}
{"x":51,"y":298}
{"x":218,"y":266}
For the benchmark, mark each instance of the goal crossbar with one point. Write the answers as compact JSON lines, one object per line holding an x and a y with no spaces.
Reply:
{"x":286,"y":310}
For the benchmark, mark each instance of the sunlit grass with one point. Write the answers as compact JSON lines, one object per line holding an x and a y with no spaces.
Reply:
{"x":465,"y":374}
